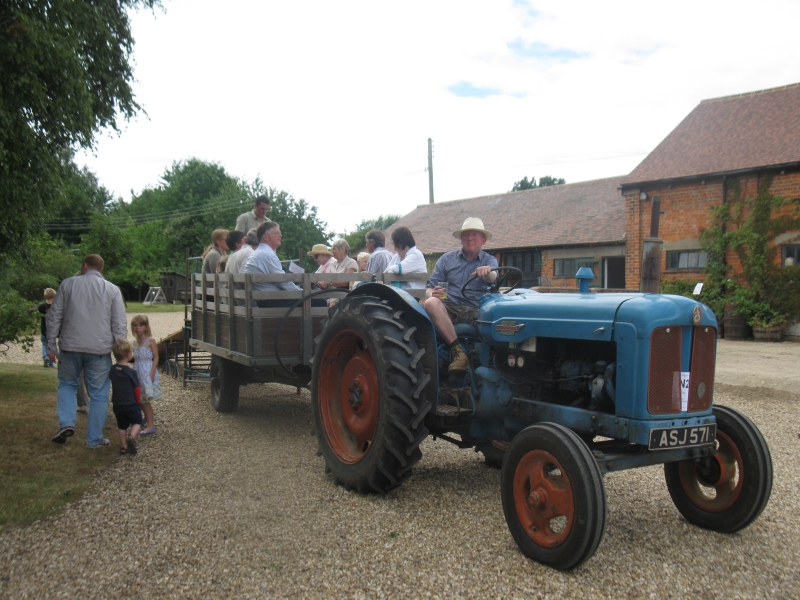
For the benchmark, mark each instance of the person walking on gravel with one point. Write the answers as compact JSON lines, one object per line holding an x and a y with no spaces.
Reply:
{"x":86,"y":317}
{"x":126,"y":397}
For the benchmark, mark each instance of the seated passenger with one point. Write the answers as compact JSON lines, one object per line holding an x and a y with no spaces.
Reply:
{"x":323,"y":257}
{"x":215,"y":251}
{"x":456,"y":267}
{"x":265,"y":260}
{"x":362,"y":260}
{"x":406,"y":259}
{"x":344,"y":264}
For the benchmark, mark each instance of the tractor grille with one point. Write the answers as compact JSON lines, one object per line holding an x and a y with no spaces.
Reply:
{"x":701,"y":380}
{"x":664,"y":387}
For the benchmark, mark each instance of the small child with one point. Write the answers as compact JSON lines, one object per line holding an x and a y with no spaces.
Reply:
{"x":44,"y":308}
{"x":125,"y":396}
{"x":145,"y":356}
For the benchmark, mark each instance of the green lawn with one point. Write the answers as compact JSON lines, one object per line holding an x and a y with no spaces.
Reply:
{"x":138,"y":307}
{"x":38,"y":477}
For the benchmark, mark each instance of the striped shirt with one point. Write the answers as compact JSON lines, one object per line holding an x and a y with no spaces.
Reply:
{"x":454,"y":268}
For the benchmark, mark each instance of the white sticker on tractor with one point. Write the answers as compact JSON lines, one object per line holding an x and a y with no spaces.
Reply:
{"x":684,"y":391}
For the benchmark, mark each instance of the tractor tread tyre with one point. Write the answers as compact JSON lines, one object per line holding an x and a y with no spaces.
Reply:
{"x":550,"y":459}
{"x":369,"y":332}
{"x":751,"y":494}
{"x":224,"y":385}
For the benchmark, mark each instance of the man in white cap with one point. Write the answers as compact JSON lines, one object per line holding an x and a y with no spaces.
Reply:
{"x":448,"y":308}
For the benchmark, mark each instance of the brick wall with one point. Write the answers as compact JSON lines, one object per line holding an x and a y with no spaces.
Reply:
{"x":685,"y":213}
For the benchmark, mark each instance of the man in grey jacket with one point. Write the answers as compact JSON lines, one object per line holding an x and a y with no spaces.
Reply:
{"x":86,"y":317}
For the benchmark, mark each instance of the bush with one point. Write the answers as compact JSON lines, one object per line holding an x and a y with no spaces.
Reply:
{"x":16,"y":322}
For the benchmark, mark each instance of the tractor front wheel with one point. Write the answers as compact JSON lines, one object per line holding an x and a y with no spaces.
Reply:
{"x":553,"y":496}
{"x":367,"y":395}
{"x":729,"y":490}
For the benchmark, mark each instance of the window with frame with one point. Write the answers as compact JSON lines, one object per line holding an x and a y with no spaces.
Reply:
{"x":678,"y":260}
{"x":568,"y":267}
{"x":790,"y":251}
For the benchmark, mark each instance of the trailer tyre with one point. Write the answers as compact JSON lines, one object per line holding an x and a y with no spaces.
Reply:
{"x":224,"y":385}
{"x":367,"y":395}
{"x":728,"y":491}
{"x":553,"y":496}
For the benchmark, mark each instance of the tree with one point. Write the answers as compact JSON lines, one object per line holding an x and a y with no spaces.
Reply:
{"x":66,"y":74}
{"x":81,"y":197}
{"x":150,"y":234}
{"x":547,"y":180}
{"x":356,"y":238}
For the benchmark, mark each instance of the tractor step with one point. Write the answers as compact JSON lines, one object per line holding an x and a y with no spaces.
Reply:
{"x":454,"y":402}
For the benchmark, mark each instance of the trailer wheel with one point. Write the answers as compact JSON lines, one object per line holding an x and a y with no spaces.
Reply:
{"x":367,"y":395}
{"x":725,"y":492}
{"x":553,"y":496}
{"x":224,"y":385}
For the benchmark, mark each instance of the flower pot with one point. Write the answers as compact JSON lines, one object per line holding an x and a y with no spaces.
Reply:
{"x":768,"y":334}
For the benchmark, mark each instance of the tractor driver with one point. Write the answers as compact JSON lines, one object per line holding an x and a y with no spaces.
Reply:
{"x":447,"y":307}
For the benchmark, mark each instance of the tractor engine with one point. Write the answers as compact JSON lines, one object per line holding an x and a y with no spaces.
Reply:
{"x":562,"y":371}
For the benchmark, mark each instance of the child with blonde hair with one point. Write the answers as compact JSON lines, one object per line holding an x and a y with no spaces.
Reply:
{"x":145,"y":356}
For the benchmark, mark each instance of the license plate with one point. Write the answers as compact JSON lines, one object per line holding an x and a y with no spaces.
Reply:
{"x":682,"y":437}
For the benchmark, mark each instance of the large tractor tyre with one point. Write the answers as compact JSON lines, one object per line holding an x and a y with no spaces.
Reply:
{"x":224,"y":385}
{"x":553,"y":496}
{"x":729,"y":490}
{"x":367,"y":395}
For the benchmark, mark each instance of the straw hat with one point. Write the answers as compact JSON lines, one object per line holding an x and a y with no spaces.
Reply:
{"x":472,"y":224}
{"x":319,"y":249}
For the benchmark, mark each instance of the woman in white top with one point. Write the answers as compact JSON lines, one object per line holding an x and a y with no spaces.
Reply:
{"x":344,"y":264}
{"x":406,"y":259}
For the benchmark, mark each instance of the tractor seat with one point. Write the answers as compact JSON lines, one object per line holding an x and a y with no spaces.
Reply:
{"x":467,"y":331}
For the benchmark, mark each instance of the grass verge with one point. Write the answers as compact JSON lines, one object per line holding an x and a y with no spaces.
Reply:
{"x":40,"y":477}
{"x":138,"y":307}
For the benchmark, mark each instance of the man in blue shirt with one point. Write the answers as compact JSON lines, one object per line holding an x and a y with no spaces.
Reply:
{"x":379,"y":256}
{"x":447,"y":308}
{"x":265,"y":260}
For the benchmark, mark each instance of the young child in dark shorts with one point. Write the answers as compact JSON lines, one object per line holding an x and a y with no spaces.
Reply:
{"x":126,"y":396}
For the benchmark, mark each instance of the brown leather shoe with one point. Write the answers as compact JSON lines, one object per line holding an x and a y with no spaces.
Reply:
{"x":459,"y":361}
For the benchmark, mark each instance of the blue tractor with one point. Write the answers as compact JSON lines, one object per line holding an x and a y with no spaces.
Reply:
{"x":561,"y":389}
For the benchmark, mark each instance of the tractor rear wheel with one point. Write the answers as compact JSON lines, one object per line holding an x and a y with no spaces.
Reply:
{"x":729,"y":490}
{"x":224,"y":385}
{"x":367,"y":395}
{"x":553,"y":496}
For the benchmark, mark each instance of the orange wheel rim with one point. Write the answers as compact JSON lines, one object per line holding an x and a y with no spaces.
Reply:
{"x":348,"y":395}
{"x":715,"y":489}
{"x":543,"y":498}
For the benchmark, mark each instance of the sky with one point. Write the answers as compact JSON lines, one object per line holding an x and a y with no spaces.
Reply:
{"x":334,"y":102}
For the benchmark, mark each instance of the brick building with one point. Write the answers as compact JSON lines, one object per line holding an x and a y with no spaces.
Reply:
{"x":548,"y":233}
{"x":742,"y":137}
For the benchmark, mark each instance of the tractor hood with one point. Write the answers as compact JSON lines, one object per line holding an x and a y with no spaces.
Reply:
{"x":515,"y":318}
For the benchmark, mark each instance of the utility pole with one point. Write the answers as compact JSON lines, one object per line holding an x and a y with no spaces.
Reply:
{"x":430,"y":170}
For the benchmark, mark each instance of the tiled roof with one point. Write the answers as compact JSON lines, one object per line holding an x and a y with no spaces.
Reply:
{"x":747,"y":131}
{"x":577,"y":213}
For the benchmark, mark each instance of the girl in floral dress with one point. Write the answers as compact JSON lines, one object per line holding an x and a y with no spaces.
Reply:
{"x":145,"y":355}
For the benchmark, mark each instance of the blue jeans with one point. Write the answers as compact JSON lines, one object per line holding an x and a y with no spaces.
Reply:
{"x":44,"y":347}
{"x":95,"y":369}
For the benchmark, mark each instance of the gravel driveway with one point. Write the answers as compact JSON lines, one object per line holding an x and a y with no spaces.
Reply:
{"x":239,"y":506}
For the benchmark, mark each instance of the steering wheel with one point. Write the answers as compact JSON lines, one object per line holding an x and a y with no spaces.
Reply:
{"x":498,"y":283}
